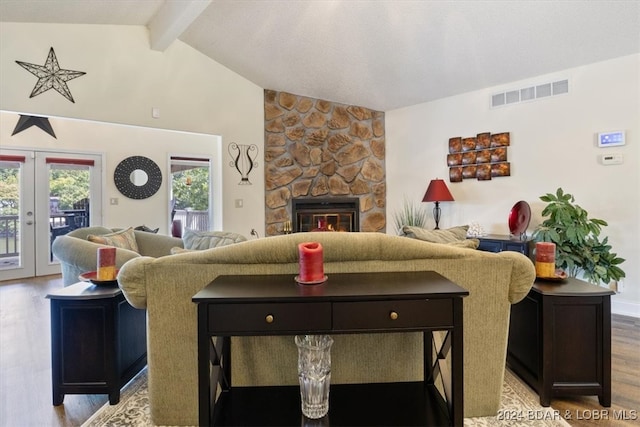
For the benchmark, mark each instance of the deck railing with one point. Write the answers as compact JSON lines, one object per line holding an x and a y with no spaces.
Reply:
{"x":193,"y":220}
{"x":8,"y":236}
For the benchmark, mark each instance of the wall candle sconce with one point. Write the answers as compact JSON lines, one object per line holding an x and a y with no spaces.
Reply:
{"x":437,"y":192}
{"x":244,"y":160}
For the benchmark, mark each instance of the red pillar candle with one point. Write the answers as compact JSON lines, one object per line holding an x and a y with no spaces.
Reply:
{"x":106,"y":264}
{"x":311,"y":262}
{"x":545,"y":259}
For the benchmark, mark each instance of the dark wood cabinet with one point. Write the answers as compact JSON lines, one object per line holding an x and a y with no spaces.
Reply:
{"x":560,"y":340}
{"x":499,"y":243}
{"x":98,"y":341}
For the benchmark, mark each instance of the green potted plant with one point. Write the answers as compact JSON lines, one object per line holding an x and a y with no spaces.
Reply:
{"x":409,"y":214}
{"x":579,"y":249}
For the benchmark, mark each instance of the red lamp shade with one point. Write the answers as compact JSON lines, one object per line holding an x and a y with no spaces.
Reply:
{"x":437,"y":192}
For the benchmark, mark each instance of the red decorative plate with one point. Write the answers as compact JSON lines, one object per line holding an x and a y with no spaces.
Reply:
{"x":92,"y":276}
{"x":519,"y":218}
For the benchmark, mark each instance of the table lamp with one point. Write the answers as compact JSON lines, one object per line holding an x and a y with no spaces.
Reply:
{"x":437,"y":192}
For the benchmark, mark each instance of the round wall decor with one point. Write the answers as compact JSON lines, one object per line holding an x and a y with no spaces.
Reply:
{"x":137,"y":177}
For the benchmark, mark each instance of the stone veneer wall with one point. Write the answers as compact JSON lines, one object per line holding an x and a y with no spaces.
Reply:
{"x":317,"y":148}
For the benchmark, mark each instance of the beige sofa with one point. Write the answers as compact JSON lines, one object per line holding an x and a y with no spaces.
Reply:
{"x":77,"y":255}
{"x":164,"y":286}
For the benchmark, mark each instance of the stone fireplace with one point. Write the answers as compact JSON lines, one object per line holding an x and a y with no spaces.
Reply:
{"x":325,"y":214}
{"x":322,"y":150}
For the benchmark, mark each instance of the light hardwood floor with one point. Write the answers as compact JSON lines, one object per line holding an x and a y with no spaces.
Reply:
{"x":25,"y":367}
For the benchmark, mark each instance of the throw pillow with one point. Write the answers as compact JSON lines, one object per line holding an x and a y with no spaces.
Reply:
{"x":147,"y":229}
{"x":469,"y":243}
{"x":125,"y":239}
{"x":448,"y":235}
{"x":194,"y":239}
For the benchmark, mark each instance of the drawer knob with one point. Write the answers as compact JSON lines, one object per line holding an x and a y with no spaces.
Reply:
{"x":393,"y":315}
{"x":269,"y":318}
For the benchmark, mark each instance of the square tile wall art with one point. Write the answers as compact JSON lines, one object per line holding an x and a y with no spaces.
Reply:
{"x":481,"y":157}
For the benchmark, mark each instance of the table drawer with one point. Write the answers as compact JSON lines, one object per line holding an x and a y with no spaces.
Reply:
{"x":251,"y":319}
{"x":392,"y":314}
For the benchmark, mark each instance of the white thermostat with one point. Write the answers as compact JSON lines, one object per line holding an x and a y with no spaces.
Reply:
{"x":611,"y":139}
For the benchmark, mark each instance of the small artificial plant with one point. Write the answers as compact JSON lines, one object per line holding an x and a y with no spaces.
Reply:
{"x":410,"y":214}
{"x":577,"y":238}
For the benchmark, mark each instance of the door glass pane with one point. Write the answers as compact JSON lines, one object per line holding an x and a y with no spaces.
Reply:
{"x":190,"y":180}
{"x":68,"y":198}
{"x":9,"y":215}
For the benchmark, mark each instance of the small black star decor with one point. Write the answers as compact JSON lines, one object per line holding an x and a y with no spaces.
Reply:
{"x":25,"y":122}
{"x":50,"y":76}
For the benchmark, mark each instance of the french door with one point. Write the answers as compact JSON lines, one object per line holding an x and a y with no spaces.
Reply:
{"x":44,"y":195}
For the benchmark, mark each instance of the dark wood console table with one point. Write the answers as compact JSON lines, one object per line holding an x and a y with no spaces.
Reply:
{"x":560,"y":340}
{"x":98,"y":341}
{"x":346,"y":303}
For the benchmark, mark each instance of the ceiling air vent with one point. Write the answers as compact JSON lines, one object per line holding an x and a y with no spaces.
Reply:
{"x":497,"y":100}
{"x":543,"y":90}
{"x":513,"y":96}
{"x":561,"y":87}
{"x":530,"y":93}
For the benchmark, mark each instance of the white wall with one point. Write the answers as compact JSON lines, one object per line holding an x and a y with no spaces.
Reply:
{"x":114,"y":142}
{"x":125,"y":79}
{"x":553,"y":144}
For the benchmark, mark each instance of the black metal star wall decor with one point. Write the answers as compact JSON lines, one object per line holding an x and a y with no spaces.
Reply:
{"x":25,"y":122}
{"x":51,"y":76}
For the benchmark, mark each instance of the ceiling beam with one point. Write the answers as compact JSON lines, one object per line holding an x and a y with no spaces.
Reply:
{"x":172,"y":19}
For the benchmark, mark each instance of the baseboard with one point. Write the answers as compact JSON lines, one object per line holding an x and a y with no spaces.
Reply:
{"x":625,"y":308}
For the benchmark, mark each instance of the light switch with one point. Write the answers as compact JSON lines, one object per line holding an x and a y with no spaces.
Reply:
{"x":239,"y":203}
{"x":612,"y":159}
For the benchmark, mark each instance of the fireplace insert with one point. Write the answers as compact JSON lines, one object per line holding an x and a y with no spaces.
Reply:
{"x":325,"y":214}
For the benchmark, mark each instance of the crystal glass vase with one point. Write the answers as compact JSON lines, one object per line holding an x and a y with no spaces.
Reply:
{"x":314,"y":373}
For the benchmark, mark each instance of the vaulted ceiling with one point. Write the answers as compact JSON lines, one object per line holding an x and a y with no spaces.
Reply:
{"x":374,"y":53}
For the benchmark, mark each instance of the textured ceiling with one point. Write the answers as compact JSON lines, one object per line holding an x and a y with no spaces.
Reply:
{"x":377,"y":54}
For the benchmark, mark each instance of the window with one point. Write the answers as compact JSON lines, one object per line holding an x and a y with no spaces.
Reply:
{"x":190,"y":199}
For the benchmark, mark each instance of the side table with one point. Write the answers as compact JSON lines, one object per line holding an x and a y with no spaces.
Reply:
{"x":98,"y":341}
{"x":560,"y":340}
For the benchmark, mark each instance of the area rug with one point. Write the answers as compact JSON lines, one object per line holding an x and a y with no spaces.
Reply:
{"x":519,"y":406}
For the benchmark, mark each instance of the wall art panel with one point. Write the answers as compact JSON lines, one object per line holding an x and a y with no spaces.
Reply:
{"x":480,"y":157}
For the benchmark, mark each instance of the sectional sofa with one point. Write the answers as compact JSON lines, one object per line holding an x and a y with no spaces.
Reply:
{"x":164,"y":287}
